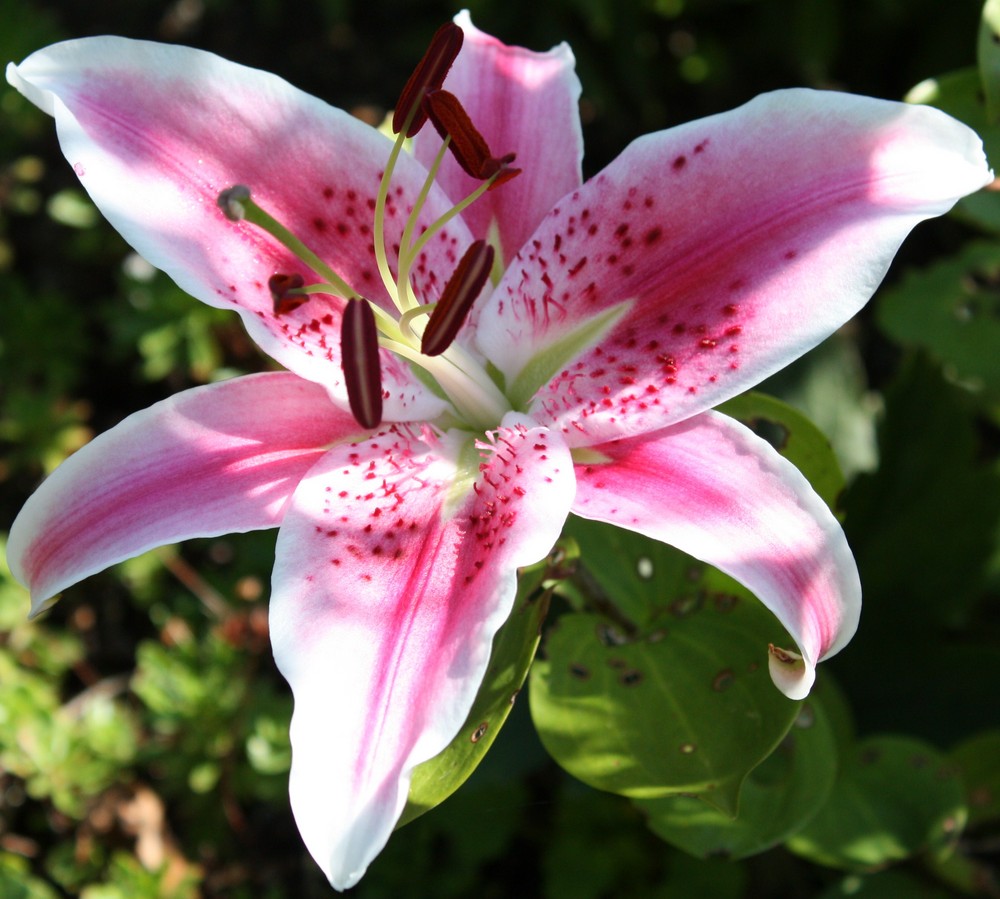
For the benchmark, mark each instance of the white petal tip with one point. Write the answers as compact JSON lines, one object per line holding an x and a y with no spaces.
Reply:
{"x":791,"y":673}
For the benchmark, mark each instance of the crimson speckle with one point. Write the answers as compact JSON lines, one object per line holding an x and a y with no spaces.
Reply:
{"x":653,"y":235}
{"x":791,"y":254}
{"x":679,"y":163}
{"x":706,"y":343}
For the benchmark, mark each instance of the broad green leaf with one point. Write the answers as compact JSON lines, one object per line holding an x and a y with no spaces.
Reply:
{"x":895,"y":797}
{"x":978,"y":761}
{"x":988,"y":54}
{"x":960,"y":94}
{"x":513,"y":650}
{"x":952,"y":309}
{"x":681,"y":702}
{"x":778,"y":797}
{"x":794,"y":436}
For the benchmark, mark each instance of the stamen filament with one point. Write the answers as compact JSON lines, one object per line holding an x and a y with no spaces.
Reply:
{"x":456,"y":210}
{"x":378,"y":230}
{"x":256,"y":215}
{"x":407,"y":299}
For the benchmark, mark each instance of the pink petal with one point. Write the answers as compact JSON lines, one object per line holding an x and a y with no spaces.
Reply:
{"x":213,"y":460}
{"x":522,"y":102}
{"x":740,"y":241}
{"x":715,"y":490}
{"x":155,"y":132}
{"x":393,"y":573}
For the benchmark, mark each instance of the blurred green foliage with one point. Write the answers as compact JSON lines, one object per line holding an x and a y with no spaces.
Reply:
{"x":143,"y":726}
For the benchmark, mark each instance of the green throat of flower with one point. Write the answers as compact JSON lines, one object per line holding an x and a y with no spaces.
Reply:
{"x":422,"y":333}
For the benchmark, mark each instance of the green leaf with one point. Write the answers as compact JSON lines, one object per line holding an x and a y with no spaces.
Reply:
{"x":895,"y":797}
{"x":794,"y":436}
{"x":778,"y":797}
{"x":988,"y":55}
{"x":923,"y":529}
{"x":513,"y":650}
{"x":952,"y":309}
{"x":978,"y":760}
{"x":680,"y":701}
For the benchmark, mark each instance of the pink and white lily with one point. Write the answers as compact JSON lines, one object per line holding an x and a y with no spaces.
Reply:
{"x":620,"y":311}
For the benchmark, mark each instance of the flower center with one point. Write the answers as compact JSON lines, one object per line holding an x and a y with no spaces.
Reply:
{"x":422,"y":333}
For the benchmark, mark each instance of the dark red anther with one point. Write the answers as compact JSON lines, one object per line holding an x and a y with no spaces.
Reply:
{"x":465,"y":284}
{"x":284,"y":291}
{"x":468,"y":146}
{"x":360,"y":361}
{"x":429,"y":75}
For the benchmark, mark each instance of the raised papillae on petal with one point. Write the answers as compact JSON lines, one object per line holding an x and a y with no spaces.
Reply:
{"x":395,"y":567}
{"x":428,"y":76}
{"x":715,"y":490}
{"x":461,"y":291}
{"x":739,"y":242}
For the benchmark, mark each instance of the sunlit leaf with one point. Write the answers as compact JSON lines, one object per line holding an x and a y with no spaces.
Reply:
{"x":680,"y":701}
{"x":988,"y":53}
{"x":780,"y":795}
{"x":895,"y":797}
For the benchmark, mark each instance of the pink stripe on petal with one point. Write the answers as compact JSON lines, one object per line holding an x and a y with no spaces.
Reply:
{"x":741,"y":240}
{"x":155,"y":132}
{"x":388,"y":589}
{"x":713,"y":489}
{"x":522,"y":102}
{"x":213,"y":460}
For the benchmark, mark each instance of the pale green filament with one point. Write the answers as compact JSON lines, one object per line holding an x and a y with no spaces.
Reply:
{"x":462,"y":377}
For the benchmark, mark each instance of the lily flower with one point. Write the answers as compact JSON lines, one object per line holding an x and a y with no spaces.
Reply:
{"x":470,"y":357}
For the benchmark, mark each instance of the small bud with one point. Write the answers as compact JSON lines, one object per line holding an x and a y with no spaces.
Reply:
{"x":231,"y":202}
{"x":360,"y":361}
{"x":461,"y":291}
{"x":284,"y":291}
{"x":429,"y":75}
{"x":467,"y":145}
